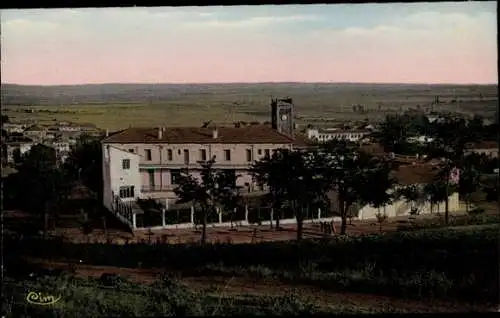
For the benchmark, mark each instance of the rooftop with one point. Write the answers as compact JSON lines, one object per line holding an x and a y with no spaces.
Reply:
{"x":18,"y":139}
{"x":374,"y":149}
{"x":343,"y":131}
{"x":36,"y":128}
{"x":413,"y":174}
{"x":254,"y":134}
{"x":483,"y":145}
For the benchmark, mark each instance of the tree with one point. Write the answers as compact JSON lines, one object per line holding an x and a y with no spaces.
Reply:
{"x":43,"y":185}
{"x":436,"y":192}
{"x":476,"y":128}
{"x":450,"y":138}
{"x":469,"y":180}
{"x":382,"y":193}
{"x":355,"y":177}
{"x":213,"y":188}
{"x":84,"y":164}
{"x":229,"y":197}
{"x":4,"y":119}
{"x":411,"y":194}
{"x":394,"y":132}
{"x":271,"y":171}
{"x":149,"y":206}
{"x":293,"y":180}
{"x":381,"y":218}
{"x":17,"y":156}
{"x":302,"y":177}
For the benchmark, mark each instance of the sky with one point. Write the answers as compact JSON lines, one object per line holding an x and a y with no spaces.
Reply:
{"x":362,"y":43}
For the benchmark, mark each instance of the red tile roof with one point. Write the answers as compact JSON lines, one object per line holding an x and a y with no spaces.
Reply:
{"x":36,"y":128}
{"x":374,"y":149}
{"x":302,"y":141}
{"x":256,"y":134}
{"x":413,"y":174}
{"x":483,"y":145}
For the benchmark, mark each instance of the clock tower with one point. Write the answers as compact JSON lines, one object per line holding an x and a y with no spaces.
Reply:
{"x":282,"y":115}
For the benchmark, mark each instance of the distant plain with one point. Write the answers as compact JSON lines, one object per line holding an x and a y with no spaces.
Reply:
{"x":117,"y":106}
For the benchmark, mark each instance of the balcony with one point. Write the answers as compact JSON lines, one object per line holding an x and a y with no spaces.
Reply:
{"x":194,"y":165}
{"x":163,"y":188}
{"x":170,"y":188}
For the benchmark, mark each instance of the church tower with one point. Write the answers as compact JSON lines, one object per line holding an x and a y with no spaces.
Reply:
{"x":282,"y":115}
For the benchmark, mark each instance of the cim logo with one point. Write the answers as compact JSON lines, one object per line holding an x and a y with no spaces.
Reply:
{"x":38,"y":298}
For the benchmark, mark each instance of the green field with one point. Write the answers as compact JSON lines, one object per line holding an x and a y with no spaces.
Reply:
{"x":116,"y":106}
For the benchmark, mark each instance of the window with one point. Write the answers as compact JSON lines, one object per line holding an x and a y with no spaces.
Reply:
{"x":131,"y":150}
{"x":231,"y":176}
{"x":259,"y":152}
{"x":186,"y":156}
{"x":249,"y":154}
{"x":227,"y":154}
{"x":203,"y":154}
{"x":148,"y":154}
{"x":126,"y":164}
{"x":169,"y":155}
{"x":151,"y":174}
{"x":267,"y":153}
{"x":127,"y":192}
{"x":174,"y":176}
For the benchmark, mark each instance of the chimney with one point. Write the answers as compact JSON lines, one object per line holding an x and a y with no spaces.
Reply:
{"x":107,"y":132}
{"x":215,"y":133}
{"x":160,"y":133}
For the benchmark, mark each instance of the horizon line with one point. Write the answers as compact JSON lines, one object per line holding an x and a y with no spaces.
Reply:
{"x":251,"y":83}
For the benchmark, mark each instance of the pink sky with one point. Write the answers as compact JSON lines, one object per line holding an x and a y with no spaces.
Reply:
{"x":425,"y":45}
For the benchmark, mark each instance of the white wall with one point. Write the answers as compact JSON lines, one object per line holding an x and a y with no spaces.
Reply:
{"x":116,"y":176}
{"x":323,"y":136}
{"x":402,"y":208}
{"x":107,"y":197}
{"x":23,"y":148}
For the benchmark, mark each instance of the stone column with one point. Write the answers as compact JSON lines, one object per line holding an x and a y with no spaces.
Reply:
{"x":319,"y":213}
{"x":246,"y":212}
{"x":192,"y":214}
{"x":219,"y":211}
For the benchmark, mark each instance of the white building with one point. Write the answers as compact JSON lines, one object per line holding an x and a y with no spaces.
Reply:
{"x":418,"y":175}
{"x":17,"y":146}
{"x":121,"y":175}
{"x":14,"y":127}
{"x":121,"y":183}
{"x":420,"y":139}
{"x":62,"y":148}
{"x":324,"y":135}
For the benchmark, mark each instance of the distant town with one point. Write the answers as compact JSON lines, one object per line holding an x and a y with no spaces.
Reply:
{"x":19,"y":137}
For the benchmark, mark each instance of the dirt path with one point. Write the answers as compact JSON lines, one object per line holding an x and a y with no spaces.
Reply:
{"x":241,"y":285}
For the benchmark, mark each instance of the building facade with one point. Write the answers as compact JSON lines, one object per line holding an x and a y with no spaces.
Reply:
{"x":324,"y":135}
{"x":488,"y":148}
{"x":16,"y":146}
{"x":148,"y":161}
{"x":14,"y":127}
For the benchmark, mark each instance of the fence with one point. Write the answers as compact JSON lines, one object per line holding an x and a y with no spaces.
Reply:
{"x":124,"y":211}
{"x":190,"y":217}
